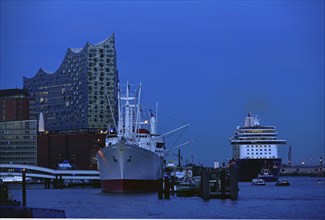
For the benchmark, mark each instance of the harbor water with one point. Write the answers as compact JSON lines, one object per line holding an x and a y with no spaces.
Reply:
{"x":304,"y":199}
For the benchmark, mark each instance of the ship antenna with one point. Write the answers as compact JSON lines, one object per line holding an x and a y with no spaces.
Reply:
{"x":156,"y":114}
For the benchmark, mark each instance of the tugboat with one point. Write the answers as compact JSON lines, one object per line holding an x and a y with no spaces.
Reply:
{"x":255,"y":151}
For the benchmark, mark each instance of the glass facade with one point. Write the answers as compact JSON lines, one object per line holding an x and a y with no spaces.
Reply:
{"x":75,"y":97}
{"x":18,"y":142}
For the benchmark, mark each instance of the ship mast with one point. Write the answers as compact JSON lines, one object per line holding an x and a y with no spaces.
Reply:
{"x":137,"y":118}
{"x":120,"y":131}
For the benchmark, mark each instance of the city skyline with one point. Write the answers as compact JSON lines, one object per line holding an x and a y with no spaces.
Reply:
{"x":206,"y":63}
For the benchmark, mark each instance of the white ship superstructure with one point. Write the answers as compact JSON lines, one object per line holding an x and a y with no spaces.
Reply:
{"x":253,"y":141}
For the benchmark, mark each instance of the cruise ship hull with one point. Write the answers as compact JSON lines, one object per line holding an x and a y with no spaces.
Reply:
{"x":267,"y":169}
{"x":129,"y":168}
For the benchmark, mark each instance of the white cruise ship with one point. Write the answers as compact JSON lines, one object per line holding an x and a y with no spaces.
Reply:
{"x":255,"y":151}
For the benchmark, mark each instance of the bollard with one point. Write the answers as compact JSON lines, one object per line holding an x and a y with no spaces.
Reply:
{"x":160,"y":189}
{"x":23,"y":187}
{"x":167,"y":188}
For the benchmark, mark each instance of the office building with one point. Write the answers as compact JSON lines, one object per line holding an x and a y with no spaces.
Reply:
{"x":18,"y":127}
{"x":18,"y":142}
{"x":16,"y":105}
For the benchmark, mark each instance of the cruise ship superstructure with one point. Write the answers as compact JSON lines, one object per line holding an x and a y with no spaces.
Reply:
{"x":255,"y":150}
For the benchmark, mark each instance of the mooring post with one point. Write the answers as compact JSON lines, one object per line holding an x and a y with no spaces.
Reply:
{"x":234,"y":184}
{"x":167,"y":188}
{"x":49,"y":183}
{"x":223,"y":183}
{"x":23,"y":187}
{"x":160,"y":189}
{"x":173,"y":185}
{"x":60,"y":182}
{"x":55,"y":182}
{"x":205,"y":181}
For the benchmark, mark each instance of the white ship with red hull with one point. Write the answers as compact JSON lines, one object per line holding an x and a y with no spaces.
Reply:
{"x":129,"y":168}
{"x":133,"y":158}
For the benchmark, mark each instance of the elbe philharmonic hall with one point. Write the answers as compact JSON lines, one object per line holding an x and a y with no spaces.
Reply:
{"x":62,"y":116}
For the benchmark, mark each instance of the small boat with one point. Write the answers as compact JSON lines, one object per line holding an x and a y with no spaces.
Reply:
{"x":186,"y":188}
{"x":258,"y":182}
{"x":282,"y":183}
{"x":320,"y":181}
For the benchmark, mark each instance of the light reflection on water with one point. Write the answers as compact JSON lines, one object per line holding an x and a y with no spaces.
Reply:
{"x":304,"y":199}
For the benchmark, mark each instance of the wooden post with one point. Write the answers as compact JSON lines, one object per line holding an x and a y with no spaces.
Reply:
{"x":60,"y":182}
{"x":55,"y":182}
{"x":160,"y":190}
{"x":223,"y":183}
{"x":167,"y":188}
{"x":205,"y":179}
{"x":173,"y":185}
{"x":23,"y":187}
{"x":48,"y":183}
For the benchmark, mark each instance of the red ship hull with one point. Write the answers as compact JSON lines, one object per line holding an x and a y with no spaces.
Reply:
{"x":129,"y":186}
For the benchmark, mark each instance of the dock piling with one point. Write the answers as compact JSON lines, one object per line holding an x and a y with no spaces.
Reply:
{"x":167,"y":188}
{"x":234,"y":184}
{"x":205,"y":184}
{"x":161,"y":189}
{"x":223,"y":183}
{"x":23,"y":187}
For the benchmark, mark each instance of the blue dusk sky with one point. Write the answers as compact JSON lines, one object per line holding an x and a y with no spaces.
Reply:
{"x":207,"y":63}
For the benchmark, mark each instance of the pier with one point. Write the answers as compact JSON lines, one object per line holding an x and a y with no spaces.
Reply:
{"x":211,"y":183}
{"x":56,"y":177}
{"x":219,"y":183}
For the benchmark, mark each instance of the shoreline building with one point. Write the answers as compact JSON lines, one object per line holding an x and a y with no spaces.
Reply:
{"x":18,"y":128}
{"x":77,"y":97}
{"x":78,"y":104}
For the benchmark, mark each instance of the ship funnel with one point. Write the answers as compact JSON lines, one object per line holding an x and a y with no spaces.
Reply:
{"x":249,"y":120}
